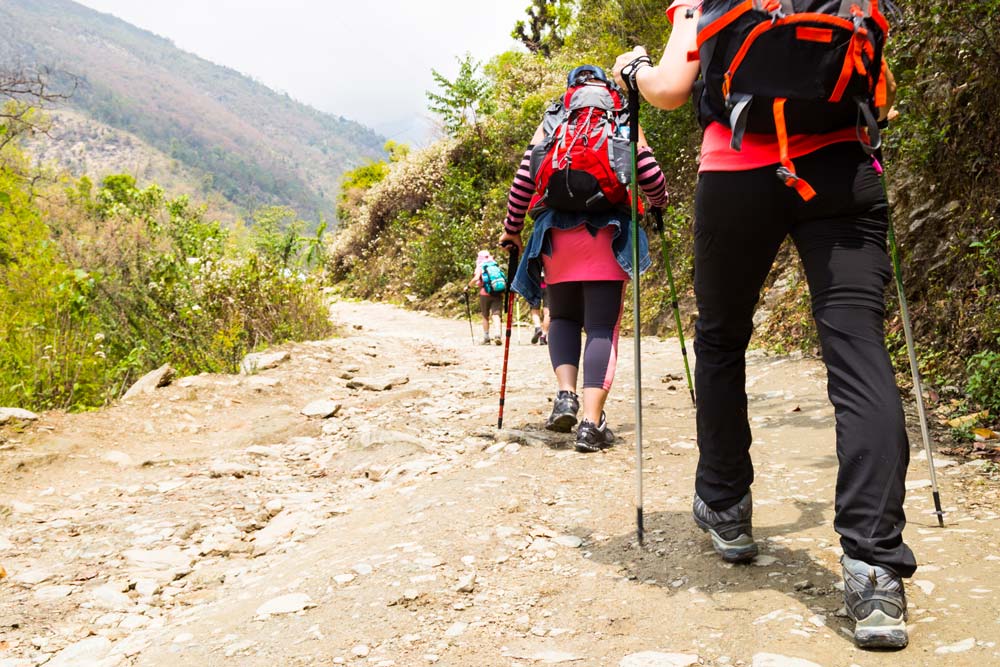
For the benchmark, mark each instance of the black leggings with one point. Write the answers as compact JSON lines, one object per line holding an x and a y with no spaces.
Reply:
{"x":741,"y":219}
{"x":591,"y":306}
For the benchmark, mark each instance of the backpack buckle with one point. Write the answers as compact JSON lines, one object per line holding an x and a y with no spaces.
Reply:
{"x":787,"y":176}
{"x":773,"y":8}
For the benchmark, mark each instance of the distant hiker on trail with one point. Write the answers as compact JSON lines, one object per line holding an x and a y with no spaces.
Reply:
{"x":541,"y":317}
{"x":491,"y":282}
{"x":832,"y":204}
{"x":573,"y":177}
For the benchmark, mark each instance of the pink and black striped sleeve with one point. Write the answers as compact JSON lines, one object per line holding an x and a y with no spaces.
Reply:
{"x":651,"y":179}
{"x":519,"y":197}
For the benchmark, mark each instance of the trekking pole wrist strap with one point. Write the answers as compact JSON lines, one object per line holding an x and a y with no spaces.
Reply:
{"x":629,"y":71}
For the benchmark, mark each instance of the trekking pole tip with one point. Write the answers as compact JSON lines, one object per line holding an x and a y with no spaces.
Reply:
{"x":937,"y":508}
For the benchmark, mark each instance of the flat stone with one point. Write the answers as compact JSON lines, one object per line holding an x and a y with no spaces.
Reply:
{"x":456,"y":629}
{"x":82,"y":654}
{"x":32,"y":577}
{"x":51,"y":593}
{"x":281,"y":527}
{"x":657,"y":659}
{"x":548,"y":657}
{"x":120,"y":459}
{"x":571,"y":541}
{"x":169,"y":558}
{"x":377,"y":384}
{"x":261,"y":361}
{"x":286,"y":604}
{"x":322,"y":409}
{"x":150,"y":382}
{"x":110,"y":598}
{"x":7,"y":414}
{"x":960,"y":647}
{"x":776,"y":660}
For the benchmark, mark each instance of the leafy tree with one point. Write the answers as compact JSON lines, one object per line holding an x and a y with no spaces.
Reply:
{"x":462,"y":101}
{"x":547,"y":26}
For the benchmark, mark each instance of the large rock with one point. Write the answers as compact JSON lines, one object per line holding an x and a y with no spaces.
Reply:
{"x":261,"y":361}
{"x":8,"y":414}
{"x":151,"y":381}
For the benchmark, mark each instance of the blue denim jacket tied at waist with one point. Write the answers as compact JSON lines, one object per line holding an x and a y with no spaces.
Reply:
{"x":527,"y":281}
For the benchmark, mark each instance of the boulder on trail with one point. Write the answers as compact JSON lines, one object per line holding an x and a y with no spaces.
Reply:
{"x":261,"y":361}
{"x":8,"y":414}
{"x":151,"y":381}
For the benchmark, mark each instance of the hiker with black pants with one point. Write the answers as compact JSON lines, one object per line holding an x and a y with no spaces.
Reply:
{"x":830,"y":201}
{"x":541,"y":317}
{"x":586,"y":255}
{"x":490,"y":305}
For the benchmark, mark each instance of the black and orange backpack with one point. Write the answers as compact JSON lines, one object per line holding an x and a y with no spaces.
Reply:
{"x":792,"y":67}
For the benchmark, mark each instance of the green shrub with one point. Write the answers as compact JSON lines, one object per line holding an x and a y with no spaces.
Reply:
{"x":98,"y":288}
{"x":984,"y":379}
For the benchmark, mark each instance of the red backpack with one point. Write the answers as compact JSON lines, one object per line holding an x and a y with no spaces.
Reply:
{"x":786,"y":67}
{"x":584,"y":164}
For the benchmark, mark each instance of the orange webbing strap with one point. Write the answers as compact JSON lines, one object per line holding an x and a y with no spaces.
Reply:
{"x":882,"y":87}
{"x":787,"y":172}
{"x":721,"y":23}
{"x":876,"y":13}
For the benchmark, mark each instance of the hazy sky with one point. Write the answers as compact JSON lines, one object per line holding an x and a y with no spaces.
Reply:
{"x":369,"y":61}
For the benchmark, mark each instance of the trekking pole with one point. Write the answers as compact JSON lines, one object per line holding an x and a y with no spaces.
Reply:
{"x":633,"y":138}
{"x":468,"y":311}
{"x":508,"y":302}
{"x":911,"y":351}
{"x":658,"y":213}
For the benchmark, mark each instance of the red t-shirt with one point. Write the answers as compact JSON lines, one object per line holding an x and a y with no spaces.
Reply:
{"x":758,"y":150}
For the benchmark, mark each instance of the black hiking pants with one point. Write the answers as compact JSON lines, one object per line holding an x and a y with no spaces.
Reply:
{"x":741,"y":219}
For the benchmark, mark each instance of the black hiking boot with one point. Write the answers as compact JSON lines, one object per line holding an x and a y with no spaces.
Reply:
{"x":592,"y":437}
{"x":535,"y":336}
{"x":486,"y":340}
{"x":497,"y":340}
{"x":874,"y":598}
{"x":564,"y":410}
{"x":731,"y":529}
{"x":544,"y":340}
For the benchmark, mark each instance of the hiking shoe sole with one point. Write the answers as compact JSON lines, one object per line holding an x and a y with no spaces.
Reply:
{"x":879,"y":630}
{"x":585,"y":448}
{"x":561,"y":424}
{"x":740,"y":550}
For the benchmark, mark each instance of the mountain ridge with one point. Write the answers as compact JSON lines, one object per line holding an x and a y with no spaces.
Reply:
{"x":259,"y":146}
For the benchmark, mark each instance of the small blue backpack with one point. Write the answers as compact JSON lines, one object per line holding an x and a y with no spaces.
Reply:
{"x":494,"y":280}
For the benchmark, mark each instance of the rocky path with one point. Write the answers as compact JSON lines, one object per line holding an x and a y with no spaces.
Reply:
{"x":210,"y":522}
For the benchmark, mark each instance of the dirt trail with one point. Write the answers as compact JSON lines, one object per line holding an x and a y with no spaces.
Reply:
{"x":210,"y":523}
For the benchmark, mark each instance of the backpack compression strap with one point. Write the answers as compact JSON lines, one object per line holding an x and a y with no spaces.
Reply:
{"x":786,"y":172}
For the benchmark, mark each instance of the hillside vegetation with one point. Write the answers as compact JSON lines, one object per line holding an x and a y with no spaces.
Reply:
{"x":254,"y":146}
{"x":100,"y":284}
{"x":411,"y":231}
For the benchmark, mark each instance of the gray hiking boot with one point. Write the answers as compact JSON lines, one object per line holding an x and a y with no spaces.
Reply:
{"x":731,"y":529}
{"x":564,"y":410}
{"x":591,"y":437}
{"x":875,"y":599}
